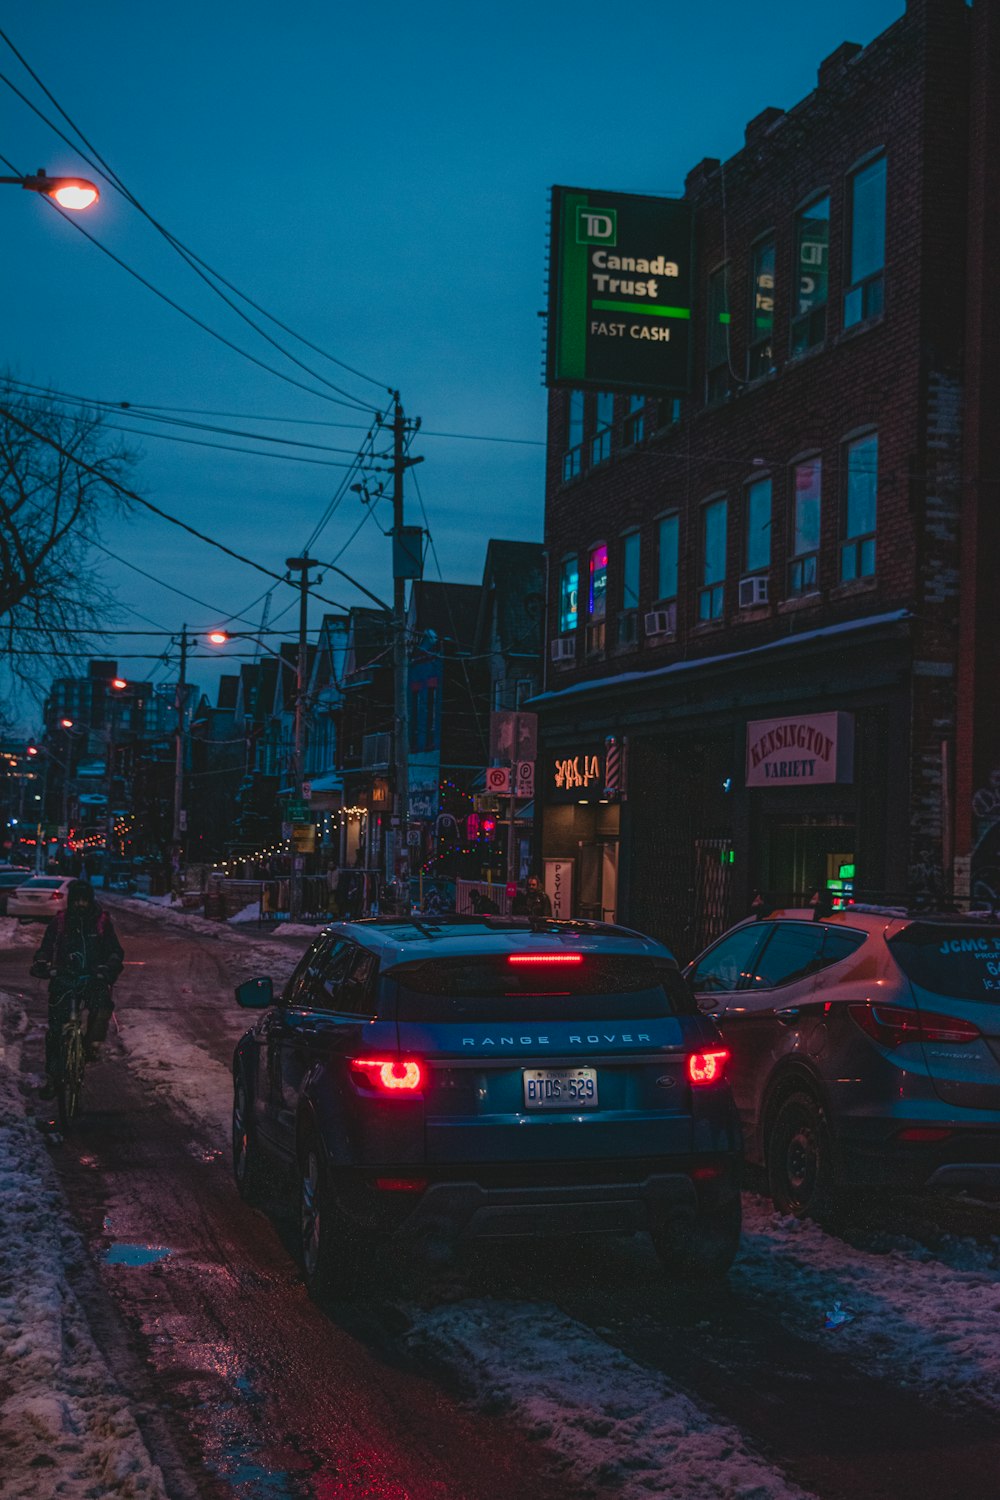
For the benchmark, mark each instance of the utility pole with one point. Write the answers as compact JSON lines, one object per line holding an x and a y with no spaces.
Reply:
{"x":109,"y":812}
{"x":300,"y":565}
{"x":400,"y":666}
{"x":177,"y":839}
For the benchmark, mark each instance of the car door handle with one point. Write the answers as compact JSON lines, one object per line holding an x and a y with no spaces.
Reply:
{"x":788,"y":1015}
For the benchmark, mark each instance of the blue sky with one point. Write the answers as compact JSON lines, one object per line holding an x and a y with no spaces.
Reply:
{"x":376,"y":177}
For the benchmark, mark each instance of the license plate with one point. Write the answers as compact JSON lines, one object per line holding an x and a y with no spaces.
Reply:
{"x":560,"y":1088}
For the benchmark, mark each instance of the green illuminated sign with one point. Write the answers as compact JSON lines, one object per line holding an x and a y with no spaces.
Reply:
{"x":846,"y":872}
{"x":620,"y":284}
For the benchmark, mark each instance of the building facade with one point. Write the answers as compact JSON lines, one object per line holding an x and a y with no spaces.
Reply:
{"x":769,"y":666}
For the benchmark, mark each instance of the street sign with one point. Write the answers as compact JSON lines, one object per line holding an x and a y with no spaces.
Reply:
{"x":524,"y":783}
{"x":307,"y":791}
{"x":513,"y":735}
{"x":498,"y":780}
{"x":297,"y":812}
{"x":304,"y":838}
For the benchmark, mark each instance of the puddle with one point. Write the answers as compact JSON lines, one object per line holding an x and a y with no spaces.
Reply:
{"x":135,"y":1255}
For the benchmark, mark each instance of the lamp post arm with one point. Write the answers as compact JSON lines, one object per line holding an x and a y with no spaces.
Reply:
{"x":360,"y":586}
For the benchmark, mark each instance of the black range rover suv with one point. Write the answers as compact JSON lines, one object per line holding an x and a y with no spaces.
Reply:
{"x":445,"y":1079}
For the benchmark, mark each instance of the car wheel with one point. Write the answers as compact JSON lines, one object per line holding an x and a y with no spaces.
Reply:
{"x":798,"y":1156}
{"x":702,"y":1243}
{"x":330,"y":1250}
{"x":248,"y":1166}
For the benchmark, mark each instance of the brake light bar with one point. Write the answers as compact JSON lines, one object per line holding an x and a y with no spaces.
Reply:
{"x":892,"y":1025}
{"x":545,"y":958}
{"x":389,"y":1075}
{"x":707,"y":1067}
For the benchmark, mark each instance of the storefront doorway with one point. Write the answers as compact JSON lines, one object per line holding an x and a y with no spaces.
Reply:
{"x":598,"y":866}
{"x":805,"y":853}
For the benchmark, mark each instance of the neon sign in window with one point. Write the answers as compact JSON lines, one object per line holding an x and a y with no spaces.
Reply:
{"x":598,"y":591}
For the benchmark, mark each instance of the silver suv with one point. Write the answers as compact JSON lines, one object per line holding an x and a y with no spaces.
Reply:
{"x":865,"y":1048}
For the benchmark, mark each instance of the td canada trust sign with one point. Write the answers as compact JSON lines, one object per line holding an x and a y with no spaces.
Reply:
{"x":802,"y":750}
{"x":619,"y":292}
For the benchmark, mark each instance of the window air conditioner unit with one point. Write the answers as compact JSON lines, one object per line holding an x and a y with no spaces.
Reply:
{"x":753,"y":591}
{"x":563,"y":648}
{"x":662,"y":621}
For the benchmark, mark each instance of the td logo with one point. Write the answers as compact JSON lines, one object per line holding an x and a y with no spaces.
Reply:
{"x":597,"y":226}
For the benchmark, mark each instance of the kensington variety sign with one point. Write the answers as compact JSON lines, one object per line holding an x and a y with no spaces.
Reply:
{"x":619,"y":292}
{"x":802,"y":750}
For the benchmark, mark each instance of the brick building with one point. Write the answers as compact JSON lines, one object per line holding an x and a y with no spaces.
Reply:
{"x":772,"y":594}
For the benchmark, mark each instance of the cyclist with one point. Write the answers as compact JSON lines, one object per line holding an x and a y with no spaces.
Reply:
{"x":81,"y":941}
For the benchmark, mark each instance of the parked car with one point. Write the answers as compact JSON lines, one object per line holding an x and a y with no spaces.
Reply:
{"x":10,"y":878}
{"x":865,"y":1048}
{"x":451,"y":1078}
{"x":39,"y":899}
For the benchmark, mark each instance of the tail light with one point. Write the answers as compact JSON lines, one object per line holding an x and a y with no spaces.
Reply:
{"x":401,"y":1184}
{"x":545,"y":958}
{"x":56,"y":896}
{"x":389,"y":1075}
{"x":705,"y":1068}
{"x":892,"y":1025}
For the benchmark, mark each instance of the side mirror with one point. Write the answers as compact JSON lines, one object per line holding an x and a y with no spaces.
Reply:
{"x":255,"y":994}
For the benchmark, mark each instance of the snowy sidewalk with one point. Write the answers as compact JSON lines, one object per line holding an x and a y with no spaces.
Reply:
{"x":66,"y":1430}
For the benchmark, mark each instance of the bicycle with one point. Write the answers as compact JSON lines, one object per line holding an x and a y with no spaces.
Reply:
{"x":68,"y":1070}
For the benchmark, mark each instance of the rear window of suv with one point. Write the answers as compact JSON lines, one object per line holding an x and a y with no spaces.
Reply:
{"x":963,"y":962}
{"x":602,"y":987}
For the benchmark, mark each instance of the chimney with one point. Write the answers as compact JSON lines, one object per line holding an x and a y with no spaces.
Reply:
{"x":834,"y":66}
{"x":761,"y":124}
{"x":699,"y":175}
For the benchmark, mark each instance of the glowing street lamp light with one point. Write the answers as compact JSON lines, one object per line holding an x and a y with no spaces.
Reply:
{"x":218,"y":637}
{"x":119,"y":683}
{"x":75,"y":193}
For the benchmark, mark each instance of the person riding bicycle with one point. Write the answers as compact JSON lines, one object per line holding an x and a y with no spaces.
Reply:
{"x":80,"y":943}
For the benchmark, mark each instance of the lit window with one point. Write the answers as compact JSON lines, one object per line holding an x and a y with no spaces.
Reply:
{"x":717,"y":382}
{"x":757,"y":541}
{"x":630,"y":571}
{"x":807,"y":479}
{"x":760,"y":350}
{"x":713,"y":560}
{"x":569,"y":583}
{"x":864,"y":296}
{"x":598,"y":571}
{"x":857,"y":549}
{"x":666,"y":573}
{"x":812,"y":252}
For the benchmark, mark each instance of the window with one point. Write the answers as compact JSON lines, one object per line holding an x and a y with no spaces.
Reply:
{"x":357,"y":988}
{"x":812,"y":257}
{"x":857,"y":549}
{"x":803,"y":567}
{"x":573,"y":457}
{"x":598,"y":582}
{"x":569,"y":582}
{"x":524,"y":688}
{"x":666,"y":570}
{"x":630,"y":571}
{"x":730,"y":963}
{"x":713,"y":560}
{"x":866,"y":198}
{"x":793,"y":952}
{"x":757,"y":540}
{"x":760,"y":347}
{"x":604,"y":411}
{"x":635,"y":420}
{"x":597,"y":598}
{"x":717,"y":382}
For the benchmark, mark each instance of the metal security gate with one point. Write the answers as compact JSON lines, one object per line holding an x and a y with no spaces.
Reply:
{"x":713,"y":891}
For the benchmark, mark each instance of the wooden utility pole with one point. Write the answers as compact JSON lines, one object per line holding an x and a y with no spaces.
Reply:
{"x":300,"y":565}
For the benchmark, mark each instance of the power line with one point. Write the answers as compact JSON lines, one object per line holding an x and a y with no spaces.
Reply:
{"x":191,"y":259}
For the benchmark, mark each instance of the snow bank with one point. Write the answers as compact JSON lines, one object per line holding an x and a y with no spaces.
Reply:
{"x":249,"y":913}
{"x":66,"y":1432}
{"x":617,"y":1424}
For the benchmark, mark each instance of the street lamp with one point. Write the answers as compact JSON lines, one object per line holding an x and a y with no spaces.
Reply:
{"x":75,"y":193}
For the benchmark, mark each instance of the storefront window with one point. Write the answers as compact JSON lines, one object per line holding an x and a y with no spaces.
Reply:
{"x":806,"y":485}
{"x":863,"y":298}
{"x":760,"y":354}
{"x":857,"y":550}
{"x":568,"y":593}
{"x":598,"y":570}
{"x":666,"y":583}
{"x":812,"y":249}
{"x":713,"y":560}
{"x":757,"y":551}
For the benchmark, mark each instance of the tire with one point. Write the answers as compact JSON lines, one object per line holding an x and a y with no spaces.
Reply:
{"x":330,"y":1250}
{"x":248,"y":1167}
{"x":702,"y":1243}
{"x":798,"y":1158}
{"x":70,"y":1084}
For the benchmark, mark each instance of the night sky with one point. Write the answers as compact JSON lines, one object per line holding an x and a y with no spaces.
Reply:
{"x":375,"y":177}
